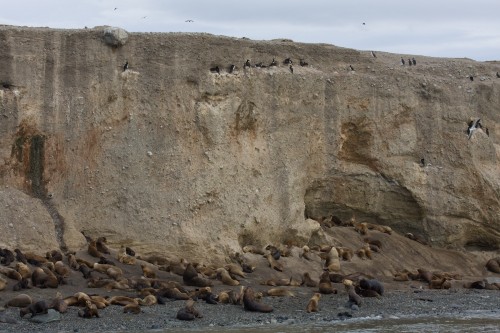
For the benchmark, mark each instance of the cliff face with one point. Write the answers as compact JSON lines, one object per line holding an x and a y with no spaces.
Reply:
{"x":170,"y":157}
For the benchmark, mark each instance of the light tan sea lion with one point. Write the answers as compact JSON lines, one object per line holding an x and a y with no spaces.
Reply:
{"x":89,"y":311}
{"x":224,"y":276}
{"x":132,"y":308}
{"x":351,"y":292}
{"x":92,"y":250}
{"x":24,"y":270}
{"x":122,"y":300}
{"x":10,"y":273}
{"x":148,"y":300}
{"x":312,"y":306}
{"x":19,"y":301}
{"x":332,"y":262}
{"x":148,"y":271}
{"x":235,"y":269}
{"x":279,"y":292}
{"x":253,"y":249}
{"x":274,"y":264}
{"x":61,"y":269}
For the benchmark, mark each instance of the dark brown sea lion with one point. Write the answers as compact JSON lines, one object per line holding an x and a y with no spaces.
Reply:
{"x":273,"y":263}
{"x":101,"y":246}
{"x":372,"y":284}
{"x":20,"y":257}
{"x":58,"y":304}
{"x":373,"y":241}
{"x":89,"y":311}
{"x":325,"y":285}
{"x":54,"y":255}
{"x":6,"y":257}
{"x":36,"y":308}
{"x":188,"y":312}
{"x":132,"y":308}
{"x":191,"y":278}
{"x":308,"y":281}
{"x":312,"y":306}
{"x":148,"y":271}
{"x":10,"y":273}
{"x":92,"y":250}
{"x":250,"y":304}
{"x":424,"y":275}
{"x":23,"y":284}
{"x":173,"y":293}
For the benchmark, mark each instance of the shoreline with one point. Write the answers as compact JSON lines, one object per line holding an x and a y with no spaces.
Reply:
{"x":395,"y":304}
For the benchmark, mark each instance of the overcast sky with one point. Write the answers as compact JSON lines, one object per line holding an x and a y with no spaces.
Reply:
{"x":441,"y":28}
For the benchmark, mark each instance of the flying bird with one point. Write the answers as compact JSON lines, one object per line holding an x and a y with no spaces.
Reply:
{"x":189,"y":21}
{"x":115,"y":8}
{"x":473,"y":125}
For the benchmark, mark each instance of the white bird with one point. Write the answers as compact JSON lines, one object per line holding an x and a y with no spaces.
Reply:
{"x":473,"y":125}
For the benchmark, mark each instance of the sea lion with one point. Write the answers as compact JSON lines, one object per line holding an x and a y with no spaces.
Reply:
{"x":61,"y":269}
{"x":250,"y":304}
{"x":54,"y":255}
{"x":20,"y":257}
{"x":36,"y":308}
{"x":281,"y":292}
{"x":103,"y":268}
{"x":19,"y":301}
{"x":58,"y":304}
{"x":224,"y":276}
{"x":416,"y":238}
{"x":101,"y":246}
{"x":105,"y":261}
{"x":273,"y":263}
{"x":92,"y":250}
{"x":35,"y":259}
{"x":23,"y":284}
{"x":6,"y":257}
{"x":52,"y":281}
{"x":273,"y":250}
{"x":191,"y":278}
{"x":442,"y":283}
{"x":372,"y":284}
{"x":148,"y":271}
{"x":381,"y":228}
{"x":24,"y":270}
{"x":351,"y":292}
{"x":188,"y":312}
{"x":373,"y":241}
{"x":72,"y":263}
{"x":493,"y":265}
{"x":332,"y":261}
{"x":86,"y":271}
{"x":129,"y":251}
{"x":312,"y":306}
{"x":325,"y":285}
{"x":132,"y":308}
{"x":361,"y":228}
{"x":424,"y":275}
{"x":84,"y":262}
{"x":122,"y":300}
{"x":89,"y":311}
{"x":345,"y":253}
{"x":235,"y":269}
{"x":3,"y":284}
{"x":124,"y":258}
{"x":308,"y":281}
{"x":10,"y":273}
{"x":253,"y":249}
{"x":172,"y":293}
{"x":148,"y":300}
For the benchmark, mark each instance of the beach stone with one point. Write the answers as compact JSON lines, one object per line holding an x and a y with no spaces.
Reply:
{"x":492,"y":279}
{"x":5,"y":319}
{"x":52,"y":315}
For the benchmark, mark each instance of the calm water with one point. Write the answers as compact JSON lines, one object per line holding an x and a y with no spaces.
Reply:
{"x":480,"y":324}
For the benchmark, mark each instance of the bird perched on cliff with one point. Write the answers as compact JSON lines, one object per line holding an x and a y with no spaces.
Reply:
{"x":374,"y":55}
{"x":498,"y":75}
{"x":414,"y":61}
{"x":231,"y":68}
{"x":291,"y":69}
{"x":215,"y":69}
{"x":473,"y":125}
{"x":351,"y":68}
{"x":402,"y":61}
{"x":125,"y":67}
{"x":303,"y":63}
{"x":247,"y":63}
{"x":422,"y":162}
{"x":471,"y":78}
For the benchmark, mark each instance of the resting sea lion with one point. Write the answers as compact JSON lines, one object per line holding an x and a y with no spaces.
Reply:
{"x":250,"y":304}
{"x":281,"y":292}
{"x":89,"y":311}
{"x":273,"y":263}
{"x":224,"y":276}
{"x":92,"y":250}
{"x":148,"y":271}
{"x":132,"y":308}
{"x":325,"y":285}
{"x":39,"y":307}
{"x":101,"y":245}
{"x":372,"y":284}
{"x":188,"y":312}
{"x":10,"y":273}
{"x":19,"y":301}
{"x":493,"y":265}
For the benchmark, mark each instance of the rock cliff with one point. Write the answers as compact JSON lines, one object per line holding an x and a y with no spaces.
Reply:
{"x":171,"y":157}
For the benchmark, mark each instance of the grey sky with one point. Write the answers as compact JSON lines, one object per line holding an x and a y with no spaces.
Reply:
{"x":441,"y":28}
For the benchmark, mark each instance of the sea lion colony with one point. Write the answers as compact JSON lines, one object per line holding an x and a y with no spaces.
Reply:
{"x":194,"y":282}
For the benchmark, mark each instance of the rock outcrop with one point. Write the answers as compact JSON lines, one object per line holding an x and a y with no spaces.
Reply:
{"x":171,"y":157}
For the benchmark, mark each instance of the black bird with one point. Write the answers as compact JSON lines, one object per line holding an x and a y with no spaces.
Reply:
{"x":291,"y":68}
{"x":215,"y":70}
{"x":232,"y":68}
{"x":189,"y":21}
{"x":374,"y":55}
{"x":471,"y":78}
{"x":275,"y":63}
{"x":498,"y":75}
{"x":303,"y":63}
{"x":288,"y":61}
{"x":352,"y":68}
{"x":125,"y":67}
{"x":247,"y":63}
{"x":403,"y":61}
{"x":409,"y":61}
{"x":414,"y":61}
{"x":473,"y":125}
{"x":422,"y":162}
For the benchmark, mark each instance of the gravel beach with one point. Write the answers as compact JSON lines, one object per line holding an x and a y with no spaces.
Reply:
{"x":287,"y":311}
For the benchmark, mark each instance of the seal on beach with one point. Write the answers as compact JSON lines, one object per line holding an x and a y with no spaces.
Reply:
{"x":351,"y":292}
{"x":132,"y":308}
{"x":273,"y":263}
{"x":19,"y":301}
{"x":308,"y":281}
{"x":312,"y":306}
{"x":36,"y":308}
{"x":148,"y":271}
{"x":188,"y":312}
{"x":223,"y":275}
{"x":325,"y":284}
{"x":493,"y":265}
{"x":372,"y":284}
{"x":281,"y":292}
{"x":251,"y":304}
{"x":101,"y":246}
{"x":92,"y":250}
{"x":89,"y":311}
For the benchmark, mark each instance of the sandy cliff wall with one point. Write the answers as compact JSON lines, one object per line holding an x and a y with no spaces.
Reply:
{"x":170,"y":157}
